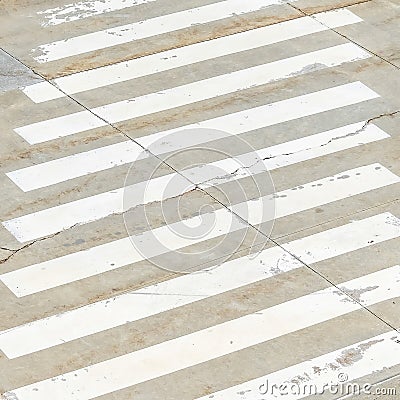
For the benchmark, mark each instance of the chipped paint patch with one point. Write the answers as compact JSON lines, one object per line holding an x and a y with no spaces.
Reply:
{"x":146,"y":28}
{"x":352,"y":355}
{"x":337,"y":367}
{"x":357,"y":293}
{"x":85,"y":9}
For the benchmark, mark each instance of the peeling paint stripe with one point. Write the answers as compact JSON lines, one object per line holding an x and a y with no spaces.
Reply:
{"x":373,"y":355}
{"x":326,"y":190}
{"x":230,"y":83}
{"x":198,"y":52}
{"x":196,"y":91}
{"x":100,"y":159}
{"x":85,"y":9}
{"x":147,"y":28}
{"x":210,"y":343}
{"x":113,"y":255}
{"x":55,"y":219}
{"x":230,"y":124}
{"x":177,"y":292}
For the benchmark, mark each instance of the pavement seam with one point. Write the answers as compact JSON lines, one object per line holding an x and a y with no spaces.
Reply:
{"x":50,"y":80}
{"x":185,"y":45}
{"x":343,"y":35}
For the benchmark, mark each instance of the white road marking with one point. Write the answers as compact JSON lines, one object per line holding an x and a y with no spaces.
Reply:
{"x":287,"y":153}
{"x":314,"y":194}
{"x":216,"y":341}
{"x":206,"y":89}
{"x":59,"y":127}
{"x":85,"y":9}
{"x":154,"y":299}
{"x":55,"y":219}
{"x":147,"y":28}
{"x":230,"y":83}
{"x":96,"y":207}
{"x":100,"y":159}
{"x":113,"y":255}
{"x":254,"y":118}
{"x":377,"y":354}
{"x":198,"y":52}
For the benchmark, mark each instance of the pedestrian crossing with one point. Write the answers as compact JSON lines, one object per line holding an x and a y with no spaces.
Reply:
{"x":285,"y":292}
{"x":148,"y":28}
{"x":231,"y":124}
{"x":187,"y":289}
{"x":170,"y":59}
{"x":202,"y":346}
{"x":191,"y":93}
{"x":379,"y":352}
{"x":58,"y":218}
{"x":80,"y":10}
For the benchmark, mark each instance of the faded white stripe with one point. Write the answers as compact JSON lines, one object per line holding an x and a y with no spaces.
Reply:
{"x":201,"y":90}
{"x":93,"y":208}
{"x":377,"y":354}
{"x":154,"y":299}
{"x":110,"y":256}
{"x":270,"y":114}
{"x":230,"y":83}
{"x":85,"y":9}
{"x":198,"y":52}
{"x":216,"y":341}
{"x":76,"y":165}
{"x":147,"y":28}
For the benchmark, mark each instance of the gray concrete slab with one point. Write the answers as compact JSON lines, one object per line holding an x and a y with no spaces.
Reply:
{"x":13,"y":74}
{"x":380,"y":33}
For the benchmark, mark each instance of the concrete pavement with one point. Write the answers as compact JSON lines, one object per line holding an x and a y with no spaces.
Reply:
{"x":200,"y":200}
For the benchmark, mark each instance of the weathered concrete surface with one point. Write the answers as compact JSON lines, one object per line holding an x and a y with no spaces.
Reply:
{"x":345,"y":229}
{"x":13,"y":74}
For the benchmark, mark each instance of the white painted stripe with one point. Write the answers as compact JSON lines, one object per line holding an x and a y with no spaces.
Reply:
{"x":154,"y":299}
{"x":230,"y":124}
{"x":62,"y":169}
{"x":110,"y":256}
{"x":147,"y":28}
{"x":65,"y":168}
{"x":93,"y":208}
{"x":59,"y":127}
{"x":211,"y":343}
{"x":208,"y":88}
{"x":377,"y":354}
{"x":198,"y":52}
{"x":229,"y":83}
{"x":85,"y":9}
{"x":314,"y":194}
{"x":284,"y":154}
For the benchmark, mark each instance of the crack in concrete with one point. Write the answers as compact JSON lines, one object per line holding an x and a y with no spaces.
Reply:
{"x":167,"y":294}
{"x":6,"y":249}
{"x":15,"y":251}
{"x":357,"y":132}
{"x":197,"y":186}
